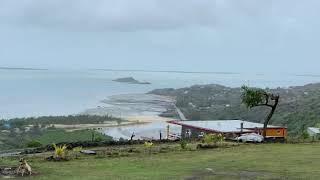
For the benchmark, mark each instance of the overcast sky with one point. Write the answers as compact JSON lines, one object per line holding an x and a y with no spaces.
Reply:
{"x":190,"y":35}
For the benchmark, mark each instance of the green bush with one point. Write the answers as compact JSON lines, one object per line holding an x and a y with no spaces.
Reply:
{"x":77,"y":151}
{"x":305,"y":135}
{"x":98,"y":139}
{"x":213,"y":138}
{"x":183,"y":144}
{"x":34,"y":144}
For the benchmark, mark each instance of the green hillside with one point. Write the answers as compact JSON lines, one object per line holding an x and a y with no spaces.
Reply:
{"x":299,"y":106}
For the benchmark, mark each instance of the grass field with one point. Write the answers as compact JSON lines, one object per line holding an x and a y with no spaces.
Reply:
{"x":266,"y":161}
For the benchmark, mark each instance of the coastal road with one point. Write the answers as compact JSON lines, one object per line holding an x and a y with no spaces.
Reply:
{"x":181,"y":115}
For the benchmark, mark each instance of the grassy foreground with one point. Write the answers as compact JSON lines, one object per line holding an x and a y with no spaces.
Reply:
{"x":266,"y":161}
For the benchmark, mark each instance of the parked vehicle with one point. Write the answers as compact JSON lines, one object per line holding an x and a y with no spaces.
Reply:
{"x":252,"y":137}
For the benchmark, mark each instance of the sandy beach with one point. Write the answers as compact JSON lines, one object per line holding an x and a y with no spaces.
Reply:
{"x":130,"y":120}
{"x":141,"y":111}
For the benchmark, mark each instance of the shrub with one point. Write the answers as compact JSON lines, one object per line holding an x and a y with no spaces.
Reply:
{"x":60,"y":152}
{"x":305,"y":135}
{"x":148,"y":145}
{"x":213,"y":138}
{"x":76,"y":151}
{"x":34,"y":144}
{"x":98,"y":139}
{"x":183,"y":144}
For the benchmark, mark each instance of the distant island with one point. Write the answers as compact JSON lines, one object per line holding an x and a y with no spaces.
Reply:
{"x":130,"y":80}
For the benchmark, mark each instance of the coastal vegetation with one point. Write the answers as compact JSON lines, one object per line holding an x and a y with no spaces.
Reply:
{"x":298,"y":109}
{"x":40,"y":131}
{"x":51,"y":120}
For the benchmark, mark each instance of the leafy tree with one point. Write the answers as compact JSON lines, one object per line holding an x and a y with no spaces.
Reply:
{"x":98,"y":139}
{"x":305,"y":135}
{"x":253,"y":97}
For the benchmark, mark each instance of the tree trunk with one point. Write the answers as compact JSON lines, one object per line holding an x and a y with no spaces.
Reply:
{"x":268,"y":118}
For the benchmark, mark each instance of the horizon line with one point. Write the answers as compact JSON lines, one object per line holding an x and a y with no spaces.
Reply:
{"x":159,"y":71}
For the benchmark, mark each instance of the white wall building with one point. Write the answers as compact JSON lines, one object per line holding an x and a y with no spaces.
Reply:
{"x":313,"y":132}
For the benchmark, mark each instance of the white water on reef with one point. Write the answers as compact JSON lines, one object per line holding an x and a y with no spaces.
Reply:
{"x":25,"y":93}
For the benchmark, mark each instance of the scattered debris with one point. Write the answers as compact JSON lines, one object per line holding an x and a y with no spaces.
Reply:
{"x":88,"y":152}
{"x":8,"y":171}
{"x":23,"y":169}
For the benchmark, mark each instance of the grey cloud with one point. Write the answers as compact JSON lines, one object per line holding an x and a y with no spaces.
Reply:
{"x":152,"y":14}
{"x":214,"y":32}
{"x":109,"y":14}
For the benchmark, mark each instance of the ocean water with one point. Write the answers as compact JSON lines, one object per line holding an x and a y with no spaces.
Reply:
{"x":28,"y":93}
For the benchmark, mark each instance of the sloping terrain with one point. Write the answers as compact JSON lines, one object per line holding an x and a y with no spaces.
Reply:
{"x":266,"y":161}
{"x":299,"y":106}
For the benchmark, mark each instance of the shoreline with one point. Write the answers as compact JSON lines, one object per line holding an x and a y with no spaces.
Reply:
{"x":76,"y":127}
{"x":133,"y":107}
{"x":130,"y":121}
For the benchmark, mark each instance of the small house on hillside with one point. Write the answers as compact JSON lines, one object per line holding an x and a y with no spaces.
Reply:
{"x":313,"y":132}
{"x":229,"y":128}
